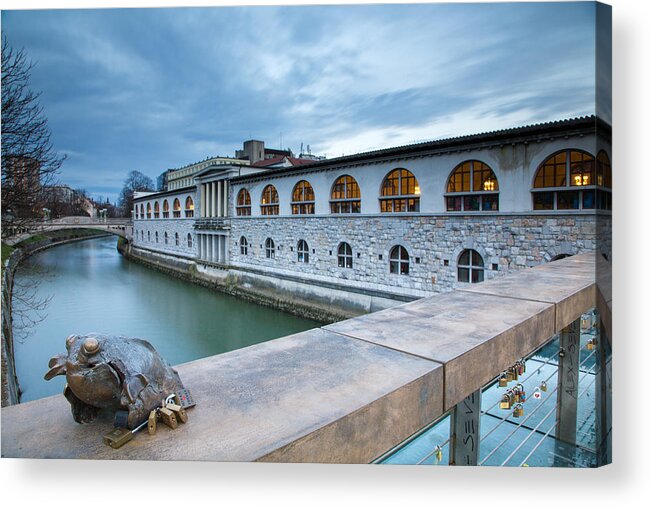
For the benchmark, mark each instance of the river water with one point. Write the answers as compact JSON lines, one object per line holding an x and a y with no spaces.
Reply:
{"x":92,"y":288}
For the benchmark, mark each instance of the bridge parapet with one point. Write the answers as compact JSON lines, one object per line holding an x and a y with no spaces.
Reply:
{"x":344,"y":393}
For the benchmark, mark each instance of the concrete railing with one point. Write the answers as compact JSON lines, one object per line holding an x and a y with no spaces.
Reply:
{"x":343,"y":393}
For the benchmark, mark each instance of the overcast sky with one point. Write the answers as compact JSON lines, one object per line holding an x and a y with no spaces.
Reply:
{"x":152,"y":89}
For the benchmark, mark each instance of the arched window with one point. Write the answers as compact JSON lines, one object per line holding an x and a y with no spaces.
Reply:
{"x":472,"y":186}
{"x":344,"y":256}
{"x":176,"y":238}
{"x":142,"y":211}
{"x":345,"y":196}
{"x":303,"y":199}
{"x":148,"y":210}
{"x":166,"y":209}
{"x":470,"y":267}
{"x":189,"y":240}
{"x":399,"y":260}
{"x":176,"y":211}
{"x":165,"y":237}
{"x":604,"y":181}
{"x":303,"y":251}
{"x":135,"y":212}
{"x":270,"y":249}
{"x":142,"y":235}
{"x":565,"y":180}
{"x":189,"y":207}
{"x":400,"y":192}
{"x":156,"y":210}
{"x":269,"y":201}
{"x":244,"y":246}
{"x":156,"y":236}
{"x":243,"y":208}
{"x":149,"y":236}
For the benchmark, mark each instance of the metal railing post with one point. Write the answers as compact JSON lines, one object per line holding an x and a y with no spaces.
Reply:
{"x":603,"y":398}
{"x":464,"y":431}
{"x":568,"y":382}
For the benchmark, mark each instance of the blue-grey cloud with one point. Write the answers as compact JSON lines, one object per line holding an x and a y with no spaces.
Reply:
{"x":152,"y":89}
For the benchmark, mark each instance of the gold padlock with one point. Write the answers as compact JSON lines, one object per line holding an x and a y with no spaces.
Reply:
{"x":543,"y":386}
{"x":506,"y":401}
{"x":179,"y":412}
{"x":118,"y":437}
{"x":590,"y":345}
{"x":502,"y":382}
{"x":518,"y":410}
{"x":509,"y":374}
{"x":151,"y":422}
{"x":168,"y":417}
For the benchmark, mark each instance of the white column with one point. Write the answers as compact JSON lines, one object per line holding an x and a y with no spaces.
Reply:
{"x":203,"y":200}
{"x":224,"y":250}
{"x":215,"y":248}
{"x":225,"y":199}
{"x":208,"y":199}
{"x":219,"y":198}
{"x":213,"y":194}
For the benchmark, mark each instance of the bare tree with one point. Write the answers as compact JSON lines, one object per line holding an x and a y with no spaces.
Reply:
{"x":29,"y":161}
{"x":135,"y":182}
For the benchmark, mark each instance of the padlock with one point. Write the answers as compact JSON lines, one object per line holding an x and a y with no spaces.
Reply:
{"x":590,"y":345}
{"x":514,"y":371}
{"x":518,"y":410}
{"x":507,"y":400}
{"x":523,"y":394}
{"x":118,"y":437}
{"x":438,"y":453}
{"x":521,"y":367}
{"x":543,"y":386}
{"x":509,"y":374}
{"x":502,"y":382}
{"x":179,"y":412}
{"x":151,"y":422}
{"x":168,"y":417}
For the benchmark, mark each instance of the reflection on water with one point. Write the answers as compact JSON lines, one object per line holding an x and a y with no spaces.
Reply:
{"x":94,"y":289}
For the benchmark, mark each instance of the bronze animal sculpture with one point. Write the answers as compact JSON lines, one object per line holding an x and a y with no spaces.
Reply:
{"x":126,"y":375}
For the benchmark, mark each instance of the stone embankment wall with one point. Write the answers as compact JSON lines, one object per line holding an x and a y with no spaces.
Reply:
{"x":10,"y":386}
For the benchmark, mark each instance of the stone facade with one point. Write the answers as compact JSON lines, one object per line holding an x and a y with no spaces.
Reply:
{"x":144,"y":235}
{"x":433,"y":242}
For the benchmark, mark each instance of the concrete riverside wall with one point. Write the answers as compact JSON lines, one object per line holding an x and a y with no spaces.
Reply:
{"x":344,"y":393}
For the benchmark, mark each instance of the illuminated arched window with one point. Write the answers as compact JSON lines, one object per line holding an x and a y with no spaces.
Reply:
{"x":189,"y":207}
{"x":472,"y":186}
{"x":244,"y":246}
{"x":344,"y":256}
{"x":156,"y":210}
{"x":566,"y":180}
{"x":270,"y":249}
{"x":243,"y":207}
{"x":148,"y":210}
{"x":400,"y":192}
{"x":269,"y":201}
{"x":399,"y":260}
{"x":176,"y":208}
{"x":166,"y":209}
{"x":345,"y":196}
{"x":303,"y":252}
{"x":303,"y":199}
{"x":470,"y":267}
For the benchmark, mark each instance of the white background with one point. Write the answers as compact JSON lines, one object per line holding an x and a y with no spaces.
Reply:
{"x":118,"y":484}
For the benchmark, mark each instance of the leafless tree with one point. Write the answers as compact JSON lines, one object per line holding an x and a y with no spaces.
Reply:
{"x":135,"y":182}
{"x":29,"y":161}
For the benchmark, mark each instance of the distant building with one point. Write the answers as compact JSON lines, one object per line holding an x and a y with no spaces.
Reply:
{"x":161,"y":181}
{"x":184,"y":177}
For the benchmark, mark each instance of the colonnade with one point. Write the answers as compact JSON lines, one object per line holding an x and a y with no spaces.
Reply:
{"x":214,"y":199}
{"x":212,"y":247}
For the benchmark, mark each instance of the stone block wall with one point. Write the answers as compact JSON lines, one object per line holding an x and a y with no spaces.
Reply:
{"x":182,"y":226}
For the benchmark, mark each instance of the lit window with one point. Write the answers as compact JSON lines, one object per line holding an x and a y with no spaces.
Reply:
{"x":303,"y":199}
{"x":156,"y":210}
{"x":345,"y":196}
{"x":571,"y":180}
{"x":472,"y":186}
{"x":244,"y":246}
{"x":269,"y":201}
{"x":270,"y":248}
{"x":176,"y":209}
{"x":148,"y":210}
{"x":189,"y":207}
{"x":344,"y":256}
{"x":243,"y":207}
{"x":166,"y":209}
{"x":399,"y":260}
{"x":303,"y":252}
{"x":400,"y":192}
{"x":470,"y":267}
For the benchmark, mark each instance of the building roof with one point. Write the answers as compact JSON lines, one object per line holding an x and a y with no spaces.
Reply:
{"x":277,"y":160}
{"x":538,"y":131}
